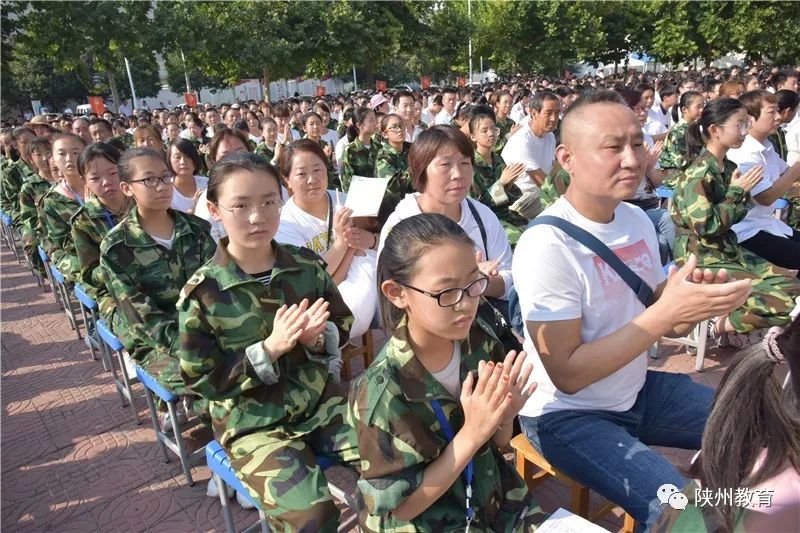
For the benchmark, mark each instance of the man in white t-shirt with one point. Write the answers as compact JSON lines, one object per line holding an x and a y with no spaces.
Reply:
{"x":535,"y":144}
{"x":403,"y":102}
{"x":447,"y":114}
{"x":759,"y":231}
{"x":597,"y":407}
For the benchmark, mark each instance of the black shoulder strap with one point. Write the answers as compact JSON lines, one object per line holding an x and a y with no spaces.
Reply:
{"x":637,"y":284}
{"x":477,"y":218}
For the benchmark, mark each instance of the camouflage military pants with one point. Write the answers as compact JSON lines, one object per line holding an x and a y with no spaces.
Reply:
{"x":794,"y":213}
{"x":773,"y":297}
{"x":279,"y":467}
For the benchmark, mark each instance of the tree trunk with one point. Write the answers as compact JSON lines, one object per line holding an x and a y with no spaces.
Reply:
{"x":112,"y":83}
{"x":369,"y":71}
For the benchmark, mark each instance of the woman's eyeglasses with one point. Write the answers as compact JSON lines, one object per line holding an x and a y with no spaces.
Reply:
{"x":242,"y":213}
{"x":450,"y":297}
{"x":153,"y":181}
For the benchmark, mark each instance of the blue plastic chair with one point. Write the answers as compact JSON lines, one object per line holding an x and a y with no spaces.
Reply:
{"x":780,"y":205}
{"x":696,"y":341}
{"x":175,"y":444}
{"x":113,"y":344}
{"x":219,"y":463}
{"x":66,"y":300}
{"x":87,"y":303}
{"x":9,"y":234}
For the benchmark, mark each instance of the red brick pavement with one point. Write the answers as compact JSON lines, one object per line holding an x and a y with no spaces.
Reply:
{"x":73,"y":460}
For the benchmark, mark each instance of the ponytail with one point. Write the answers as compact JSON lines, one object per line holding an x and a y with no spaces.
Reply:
{"x":359,"y":115}
{"x":714,"y":113}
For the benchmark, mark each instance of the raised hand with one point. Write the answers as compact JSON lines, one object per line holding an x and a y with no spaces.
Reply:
{"x":317,"y":316}
{"x":289,"y":325}
{"x":518,"y":372}
{"x":749,"y":179}
{"x":486,"y":401}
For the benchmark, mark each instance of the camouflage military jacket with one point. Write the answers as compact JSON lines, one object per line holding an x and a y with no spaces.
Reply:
{"x":126,"y":139}
{"x":265,"y":151}
{"x":673,"y":156}
{"x":224,"y":316}
{"x":389,"y":163}
{"x":483,"y":177}
{"x":358,"y":160}
{"x":504,"y":126}
{"x":14,"y":176}
{"x":30,"y":195}
{"x":57,"y":210}
{"x":399,"y":435}
{"x":145,"y":278}
{"x":554,"y":187}
{"x":89,"y":226}
{"x":705,"y":208}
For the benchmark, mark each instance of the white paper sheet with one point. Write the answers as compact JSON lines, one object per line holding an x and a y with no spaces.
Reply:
{"x":563,"y":521}
{"x":365,"y":195}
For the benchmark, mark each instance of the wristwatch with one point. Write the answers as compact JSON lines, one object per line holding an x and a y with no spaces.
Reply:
{"x":319,"y":345}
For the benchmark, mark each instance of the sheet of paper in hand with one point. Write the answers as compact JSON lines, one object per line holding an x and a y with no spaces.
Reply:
{"x":365,"y":195}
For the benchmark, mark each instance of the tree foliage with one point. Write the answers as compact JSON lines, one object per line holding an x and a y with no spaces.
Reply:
{"x":59,"y":51}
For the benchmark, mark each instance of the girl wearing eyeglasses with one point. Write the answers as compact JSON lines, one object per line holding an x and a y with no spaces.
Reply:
{"x":391,"y":161}
{"x":710,"y":196}
{"x":62,"y":202}
{"x":259,"y":325}
{"x":148,"y":258}
{"x":434,"y":410}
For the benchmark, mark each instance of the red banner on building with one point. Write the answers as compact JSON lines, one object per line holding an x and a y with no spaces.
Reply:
{"x":381,"y":85}
{"x":425,"y":82}
{"x":98,"y":106}
{"x":190,"y":99}
{"x":321,"y":91}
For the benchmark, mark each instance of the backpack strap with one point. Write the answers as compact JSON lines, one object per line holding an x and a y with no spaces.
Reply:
{"x":477,"y":217}
{"x":636,"y":283}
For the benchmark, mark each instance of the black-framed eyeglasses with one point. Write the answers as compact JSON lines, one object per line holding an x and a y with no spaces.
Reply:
{"x":242,"y":213}
{"x":153,"y":181}
{"x":450,"y":297}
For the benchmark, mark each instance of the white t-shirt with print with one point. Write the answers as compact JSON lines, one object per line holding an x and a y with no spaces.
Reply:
{"x":536,"y":152}
{"x":496,"y":238}
{"x":557,"y":278}
{"x":359,"y":290}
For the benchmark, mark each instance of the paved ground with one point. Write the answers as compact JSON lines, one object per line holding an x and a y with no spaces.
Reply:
{"x":73,"y":460}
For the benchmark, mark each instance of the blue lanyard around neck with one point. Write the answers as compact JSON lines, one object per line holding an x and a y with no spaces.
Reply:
{"x":468,"y":473}
{"x":76,"y":195}
{"x":109,"y":218}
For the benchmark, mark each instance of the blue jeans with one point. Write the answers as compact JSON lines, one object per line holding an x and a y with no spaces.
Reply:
{"x":608,"y":451}
{"x":665,"y":231}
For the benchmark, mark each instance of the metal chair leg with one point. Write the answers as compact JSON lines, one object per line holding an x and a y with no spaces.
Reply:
{"x":702,"y":341}
{"x":222,"y":488}
{"x":126,"y":380}
{"x":176,"y":433}
{"x":154,"y":418}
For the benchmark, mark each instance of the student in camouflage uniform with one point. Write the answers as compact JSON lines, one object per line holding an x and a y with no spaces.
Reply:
{"x":61,"y":202}
{"x":252,"y":345}
{"x":31,"y":193}
{"x":312,"y":125}
{"x":359,"y":156}
{"x":145,"y":275}
{"x":391,"y":162}
{"x":673,"y":158}
{"x":269,"y":135}
{"x":105,"y":207}
{"x":16,"y":173}
{"x":554,"y":186}
{"x":710,"y":197}
{"x":411,"y":470}
{"x":502,"y":108}
{"x":493,"y":182}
